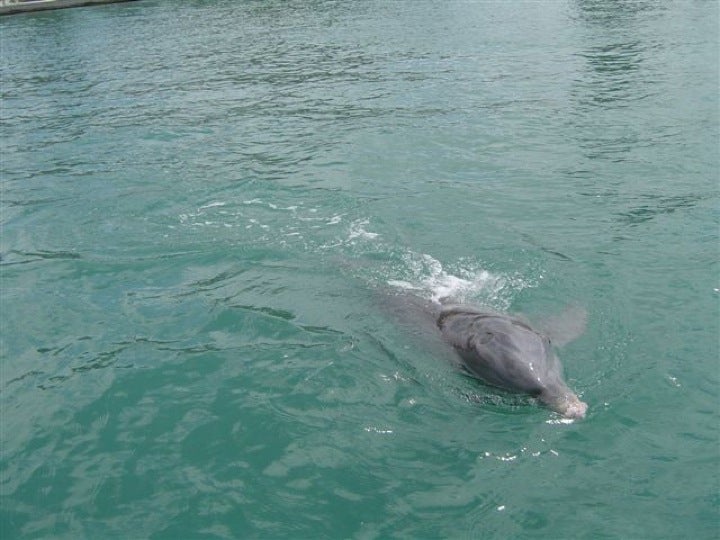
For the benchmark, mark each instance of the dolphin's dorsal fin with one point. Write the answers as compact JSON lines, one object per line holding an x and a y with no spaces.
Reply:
{"x":564,"y":327}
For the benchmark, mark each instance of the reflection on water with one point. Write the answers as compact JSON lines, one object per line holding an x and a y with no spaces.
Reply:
{"x":615,"y":78}
{"x":654,"y":205}
{"x":611,"y":70}
{"x":611,"y":13}
{"x":618,"y":87}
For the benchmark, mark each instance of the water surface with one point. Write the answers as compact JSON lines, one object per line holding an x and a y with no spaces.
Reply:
{"x":204,"y":205}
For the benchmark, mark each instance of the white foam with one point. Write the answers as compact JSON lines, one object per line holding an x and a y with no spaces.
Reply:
{"x":334,"y":220}
{"x":444,"y":285}
{"x":560,"y":421}
{"x":357,"y":230}
{"x":403,"y":285}
{"x":466,"y":283}
{"x":212,"y":204}
{"x":373,"y":429}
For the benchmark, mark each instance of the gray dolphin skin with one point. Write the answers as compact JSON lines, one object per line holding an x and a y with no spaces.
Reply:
{"x":506,"y":352}
{"x":501,"y":350}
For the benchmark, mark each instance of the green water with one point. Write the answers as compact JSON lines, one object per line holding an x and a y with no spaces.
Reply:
{"x":203,"y":202}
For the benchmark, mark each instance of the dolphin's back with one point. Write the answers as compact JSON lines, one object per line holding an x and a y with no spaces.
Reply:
{"x":502,"y":350}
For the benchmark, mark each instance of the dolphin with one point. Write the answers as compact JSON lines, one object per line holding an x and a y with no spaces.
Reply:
{"x":504,"y":350}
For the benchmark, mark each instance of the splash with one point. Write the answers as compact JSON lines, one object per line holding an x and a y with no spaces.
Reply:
{"x":357,"y":230}
{"x":466,"y":282}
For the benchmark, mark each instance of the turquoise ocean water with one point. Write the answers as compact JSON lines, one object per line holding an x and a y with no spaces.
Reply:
{"x":205,"y":204}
